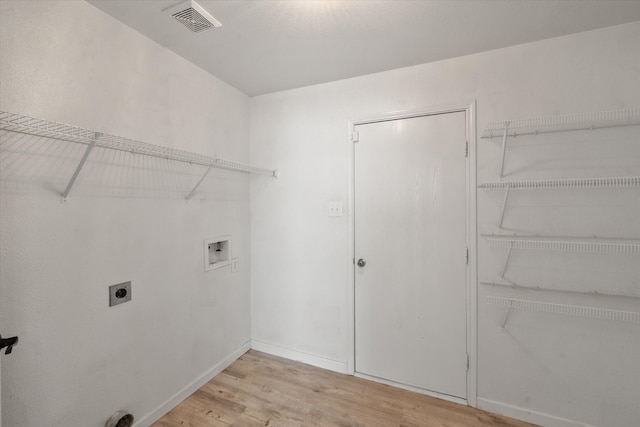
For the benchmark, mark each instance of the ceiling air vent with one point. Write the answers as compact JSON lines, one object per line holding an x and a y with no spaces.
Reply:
{"x":193,"y":16}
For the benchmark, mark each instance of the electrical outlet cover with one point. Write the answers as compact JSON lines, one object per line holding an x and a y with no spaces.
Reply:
{"x":119,"y":293}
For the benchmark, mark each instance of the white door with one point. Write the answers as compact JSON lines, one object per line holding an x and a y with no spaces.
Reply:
{"x":410,"y":233}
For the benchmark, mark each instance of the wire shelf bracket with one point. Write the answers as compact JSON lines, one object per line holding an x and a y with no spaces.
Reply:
{"x":504,"y":206}
{"x":193,"y":190}
{"x":28,"y":125}
{"x":566,"y":309}
{"x":504,"y":147}
{"x":84,"y":158}
{"x":505,"y":318}
{"x":506,"y":263}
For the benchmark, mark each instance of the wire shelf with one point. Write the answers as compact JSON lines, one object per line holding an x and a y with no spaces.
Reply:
{"x":570,"y":310}
{"x":20,"y":123}
{"x":551,"y":184}
{"x":592,"y":245}
{"x":583,"y":121}
{"x":550,"y":289}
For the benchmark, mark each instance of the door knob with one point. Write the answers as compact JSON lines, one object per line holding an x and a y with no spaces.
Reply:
{"x":362,"y":262}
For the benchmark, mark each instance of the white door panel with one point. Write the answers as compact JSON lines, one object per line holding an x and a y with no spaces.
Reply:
{"x":410,"y":227}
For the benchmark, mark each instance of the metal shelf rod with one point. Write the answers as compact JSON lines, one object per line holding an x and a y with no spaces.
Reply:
{"x":560,"y":123}
{"x":552,"y":184}
{"x":567,"y":291}
{"x":570,"y":310}
{"x":565,"y":244}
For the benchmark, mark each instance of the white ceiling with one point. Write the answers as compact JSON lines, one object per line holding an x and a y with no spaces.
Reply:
{"x":265,"y":46}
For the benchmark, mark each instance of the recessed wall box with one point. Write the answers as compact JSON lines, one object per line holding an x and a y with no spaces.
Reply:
{"x":119,"y":293}
{"x":217,"y":252}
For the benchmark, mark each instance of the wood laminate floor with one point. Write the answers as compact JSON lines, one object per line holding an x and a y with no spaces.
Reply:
{"x":263,"y":390}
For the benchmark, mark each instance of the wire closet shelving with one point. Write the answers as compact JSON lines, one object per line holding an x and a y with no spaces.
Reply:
{"x":566,"y":309}
{"x":541,"y":125}
{"x":561,"y":244}
{"x":555,"y":184}
{"x":567,"y":122}
{"x":563,"y":123}
{"x":20,"y":123}
{"x":558,"y":184}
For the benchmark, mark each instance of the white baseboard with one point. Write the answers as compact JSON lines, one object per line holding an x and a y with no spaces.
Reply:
{"x":528,"y":415}
{"x":298,"y":356}
{"x":174,"y":400}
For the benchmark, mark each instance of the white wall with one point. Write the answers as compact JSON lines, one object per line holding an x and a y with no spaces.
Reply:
{"x":79,"y":360}
{"x":549,"y":369}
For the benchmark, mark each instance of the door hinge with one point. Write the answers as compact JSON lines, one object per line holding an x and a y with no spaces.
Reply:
{"x":466,"y":256}
{"x":467,"y":362}
{"x":355,"y":136}
{"x":466,"y":149}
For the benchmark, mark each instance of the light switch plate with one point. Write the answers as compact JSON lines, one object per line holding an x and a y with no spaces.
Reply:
{"x":335,"y":209}
{"x":234,"y":265}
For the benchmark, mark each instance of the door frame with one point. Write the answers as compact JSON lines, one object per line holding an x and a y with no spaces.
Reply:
{"x":471,"y":227}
